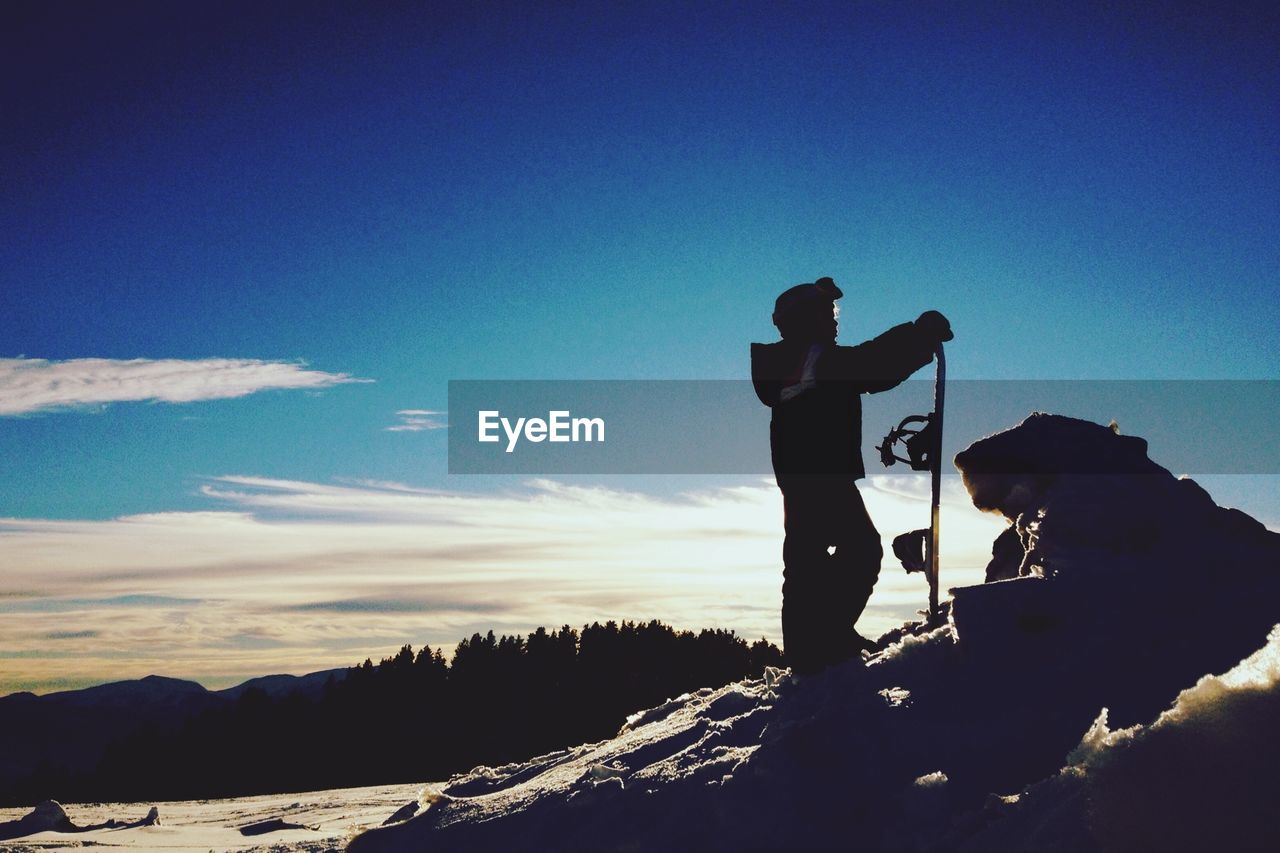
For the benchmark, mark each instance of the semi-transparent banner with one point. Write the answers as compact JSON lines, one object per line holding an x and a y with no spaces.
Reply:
{"x":720,"y":427}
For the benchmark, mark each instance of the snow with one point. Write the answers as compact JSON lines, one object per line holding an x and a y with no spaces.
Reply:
{"x":789,"y":764}
{"x":1202,"y":776}
{"x":215,"y":824}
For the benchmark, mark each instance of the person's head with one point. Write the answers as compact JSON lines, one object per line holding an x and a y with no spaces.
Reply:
{"x":807,"y":312}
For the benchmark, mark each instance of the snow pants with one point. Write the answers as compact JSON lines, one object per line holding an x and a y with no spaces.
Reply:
{"x":831,"y":557}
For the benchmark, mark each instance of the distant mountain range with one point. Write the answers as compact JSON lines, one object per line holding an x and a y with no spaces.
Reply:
{"x":63,"y":734}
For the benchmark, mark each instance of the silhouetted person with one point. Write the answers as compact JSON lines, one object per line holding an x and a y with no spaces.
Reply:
{"x":813,"y":386}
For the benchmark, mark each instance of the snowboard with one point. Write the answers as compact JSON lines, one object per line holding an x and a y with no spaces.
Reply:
{"x":921,"y":437}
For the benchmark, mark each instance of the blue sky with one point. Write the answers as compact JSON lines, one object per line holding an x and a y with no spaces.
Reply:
{"x":429,"y":192}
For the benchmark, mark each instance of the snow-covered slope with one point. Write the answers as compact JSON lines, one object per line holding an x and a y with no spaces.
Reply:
{"x":1201,"y":777}
{"x":1132,"y":585}
{"x":312,"y":822}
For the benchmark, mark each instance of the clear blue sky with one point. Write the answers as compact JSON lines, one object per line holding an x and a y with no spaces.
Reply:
{"x":435,"y":191}
{"x":412,"y":193}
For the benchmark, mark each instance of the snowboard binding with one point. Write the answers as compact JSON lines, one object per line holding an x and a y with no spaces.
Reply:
{"x":919,"y":442}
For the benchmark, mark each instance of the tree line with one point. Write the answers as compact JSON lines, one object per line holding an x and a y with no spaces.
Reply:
{"x":416,"y":716}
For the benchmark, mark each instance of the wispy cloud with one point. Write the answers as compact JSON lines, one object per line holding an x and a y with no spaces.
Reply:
{"x":70,"y":635}
{"x":324,"y":574}
{"x":30,"y":385}
{"x":417,"y":420}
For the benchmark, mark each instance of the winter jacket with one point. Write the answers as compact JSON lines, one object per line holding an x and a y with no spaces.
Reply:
{"x":819,"y":430}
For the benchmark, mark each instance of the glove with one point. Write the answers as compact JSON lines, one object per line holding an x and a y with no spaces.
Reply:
{"x":934,"y":326}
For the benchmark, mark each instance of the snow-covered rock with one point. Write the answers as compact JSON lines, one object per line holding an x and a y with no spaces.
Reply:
{"x":48,"y":816}
{"x":1079,"y":495}
{"x":983,"y":734}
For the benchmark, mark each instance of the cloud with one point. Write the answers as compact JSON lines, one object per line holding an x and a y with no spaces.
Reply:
{"x":396,"y":605}
{"x":70,"y":635}
{"x":64,"y":605}
{"x":326,"y":574}
{"x":417,"y":420}
{"x":30,"y":385}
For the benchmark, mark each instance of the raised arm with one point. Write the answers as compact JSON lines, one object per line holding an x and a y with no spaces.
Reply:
{"x":886,"y":360}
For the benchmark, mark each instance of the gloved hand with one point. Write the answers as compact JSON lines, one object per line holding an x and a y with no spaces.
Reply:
{"x":935,"y":326}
